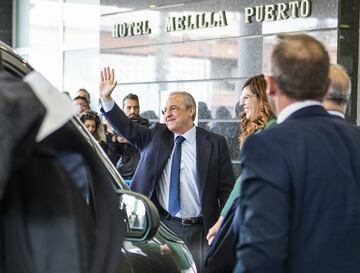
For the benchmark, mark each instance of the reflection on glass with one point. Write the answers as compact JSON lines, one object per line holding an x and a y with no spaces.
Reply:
{"x":37,"y":23}
{"x":86,"y":61}
{"x":134,"y":210}
{"x":81,"y":31}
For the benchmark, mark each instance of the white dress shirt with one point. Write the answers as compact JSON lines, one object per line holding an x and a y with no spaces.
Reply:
{"x":107,"y":106}
{"x":291,"y":108}
{"x":336,"y":113}
{"x":190,"y":205}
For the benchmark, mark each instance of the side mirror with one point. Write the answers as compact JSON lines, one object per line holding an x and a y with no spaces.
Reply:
{"x":140,"y":215}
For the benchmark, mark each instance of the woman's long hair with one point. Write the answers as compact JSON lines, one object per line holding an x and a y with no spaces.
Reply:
{"x":257,"y":86}
{"x":99,"y":134}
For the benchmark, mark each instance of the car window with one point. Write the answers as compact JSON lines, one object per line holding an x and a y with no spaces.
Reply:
{"x":12,"y":64}
{"x":115,"y":177}
{"x":76,"y":167}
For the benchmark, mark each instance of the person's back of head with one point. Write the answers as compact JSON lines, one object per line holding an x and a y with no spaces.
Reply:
{"x":238,"y":109}
{"x":222,"y":113}
{"x":149,"y":114}
{"x":300,"y":66}
{"x":340,"y":89}
{"x":82,"y":92}
{"x":203,"y":110}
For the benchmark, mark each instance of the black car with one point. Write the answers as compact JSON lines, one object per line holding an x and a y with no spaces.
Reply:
{"x":148,"y":246}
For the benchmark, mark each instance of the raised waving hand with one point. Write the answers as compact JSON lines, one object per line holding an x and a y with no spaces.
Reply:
{"x":107,"y":83}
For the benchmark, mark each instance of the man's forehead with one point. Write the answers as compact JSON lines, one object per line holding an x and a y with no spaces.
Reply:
{"x":175,"y":99}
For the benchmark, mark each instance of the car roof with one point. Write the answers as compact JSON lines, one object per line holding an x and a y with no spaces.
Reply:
{"x":12,"y":62}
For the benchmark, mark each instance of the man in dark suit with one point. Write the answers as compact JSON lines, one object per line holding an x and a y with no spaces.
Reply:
{"x":337,"y":98}
{"x":184,"y":169}
{"x":299,"y":197}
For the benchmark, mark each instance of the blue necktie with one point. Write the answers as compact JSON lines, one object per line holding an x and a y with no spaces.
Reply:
{"x":174,"y":192}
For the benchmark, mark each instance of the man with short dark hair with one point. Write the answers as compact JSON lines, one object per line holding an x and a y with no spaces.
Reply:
{"x":127,"y":155}
{"x":184,"y":169}
{"x":300,"y":181}
{"x":337,"y":98}
{"x":131,"y":105}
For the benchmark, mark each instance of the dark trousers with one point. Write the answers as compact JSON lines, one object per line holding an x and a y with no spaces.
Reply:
{"x":194,"y":237}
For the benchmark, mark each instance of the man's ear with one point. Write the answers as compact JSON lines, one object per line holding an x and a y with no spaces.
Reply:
{"x":271,"y":86}
{"x":192,"y":111}
{"x":327,"y":88}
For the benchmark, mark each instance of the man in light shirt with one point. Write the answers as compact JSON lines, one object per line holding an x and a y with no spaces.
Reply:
{"x":337,"y":98}
{"x":299,"y":196}
{"x":184,"y":169}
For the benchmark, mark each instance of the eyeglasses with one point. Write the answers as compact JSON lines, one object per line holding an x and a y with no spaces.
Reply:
{"x":171,"y":109}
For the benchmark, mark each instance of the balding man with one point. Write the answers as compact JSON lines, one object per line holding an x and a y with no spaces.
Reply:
{"x":184,"y":169}
{"x":336,"y":100}
{"x":300,"y":180}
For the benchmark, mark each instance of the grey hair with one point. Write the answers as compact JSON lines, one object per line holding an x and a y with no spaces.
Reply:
{"x":340,"y":89}
{"x":189,"y":100}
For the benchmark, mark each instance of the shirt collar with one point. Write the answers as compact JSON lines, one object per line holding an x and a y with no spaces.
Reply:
{"x":189,"y":136}
{"x":288,"y":110}
{"x":336,"y":113}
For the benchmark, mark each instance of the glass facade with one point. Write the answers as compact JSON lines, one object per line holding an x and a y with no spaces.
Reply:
{"x":208,"y":48}
{"x":60,"y":38}
{"x":185,"y":50}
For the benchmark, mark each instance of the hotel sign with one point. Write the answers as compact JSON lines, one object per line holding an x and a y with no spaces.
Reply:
{"x":201,"y":20}
{"x":131,"y":29}
{"x":259,"y":13}
{"x":174,"y":23}
{"x":279,"y":11}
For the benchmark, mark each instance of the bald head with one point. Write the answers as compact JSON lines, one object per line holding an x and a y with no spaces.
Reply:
{"x":339,"y":91}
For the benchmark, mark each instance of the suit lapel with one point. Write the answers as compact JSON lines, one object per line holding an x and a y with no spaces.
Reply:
{"x":203,"y":151}
{"x":163,"y":151}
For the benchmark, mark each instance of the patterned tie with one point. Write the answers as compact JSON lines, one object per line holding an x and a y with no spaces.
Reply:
{"x":174,"y":193}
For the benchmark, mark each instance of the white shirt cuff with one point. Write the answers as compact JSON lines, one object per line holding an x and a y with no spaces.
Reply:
{"x":108,"y":105}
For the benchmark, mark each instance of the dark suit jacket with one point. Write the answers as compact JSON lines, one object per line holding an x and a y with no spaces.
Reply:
{"x":300,"y":197}
{"x":214,"y":170}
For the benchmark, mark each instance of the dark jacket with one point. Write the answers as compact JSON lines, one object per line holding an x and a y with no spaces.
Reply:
{"x":125,"y":156}
{"x":299,"y":196}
